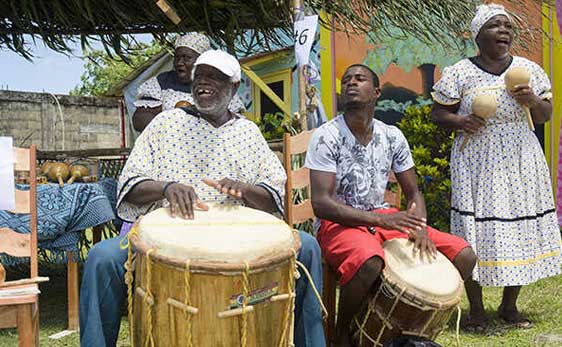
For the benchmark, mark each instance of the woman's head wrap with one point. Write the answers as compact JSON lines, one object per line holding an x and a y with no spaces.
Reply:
{"x":483,"y":14}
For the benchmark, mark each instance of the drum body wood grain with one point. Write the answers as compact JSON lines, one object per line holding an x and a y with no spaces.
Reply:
{"x":181,"y":300}
{"x":412,"y":297}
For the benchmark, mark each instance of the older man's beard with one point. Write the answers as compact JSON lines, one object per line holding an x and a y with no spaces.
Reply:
{"x":218,"y":107}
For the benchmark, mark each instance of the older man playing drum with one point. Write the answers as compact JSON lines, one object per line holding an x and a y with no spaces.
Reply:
{"x":167,"y":167}
{"x":350,"y":159}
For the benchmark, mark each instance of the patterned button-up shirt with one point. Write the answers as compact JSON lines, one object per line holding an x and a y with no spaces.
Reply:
{"x":180,"y":147}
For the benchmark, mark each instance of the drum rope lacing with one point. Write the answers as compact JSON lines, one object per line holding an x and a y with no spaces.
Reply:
{"x":187,"y":302}
{"x":290,"y":301}
{"x":129,"y":278}
{"x":149,"y":341}
{"x":360,"y":333}
{"x":148,"y":298}
{"x":370,"y":309}
{"x":458,"y":326}
{"x":385,"y":320}
{"x":305,"y":270}
{"x":246,"y":291}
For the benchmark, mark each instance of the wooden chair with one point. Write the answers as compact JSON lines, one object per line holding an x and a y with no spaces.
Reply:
{"x":19,"y":299}
{"x":301,"y":212}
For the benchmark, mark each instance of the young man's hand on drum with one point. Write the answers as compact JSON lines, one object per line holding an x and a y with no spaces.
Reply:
{"x":182,"y":200}
{"x":404,"y":221}
{"x":410,"y":222}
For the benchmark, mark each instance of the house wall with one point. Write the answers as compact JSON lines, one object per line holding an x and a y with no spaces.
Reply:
{"x":404,"y":65}
{"x":88,"y":122}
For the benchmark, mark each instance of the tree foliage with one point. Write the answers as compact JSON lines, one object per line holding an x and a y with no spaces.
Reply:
{"x":103,"y":71}
{"x":431,"y":149}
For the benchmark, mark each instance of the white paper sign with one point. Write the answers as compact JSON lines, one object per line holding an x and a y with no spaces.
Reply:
{"x":303,"y":33}
{"x":7,"y":190}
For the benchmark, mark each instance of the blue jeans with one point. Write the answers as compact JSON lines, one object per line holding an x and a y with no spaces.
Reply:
{"x":103,"y":294}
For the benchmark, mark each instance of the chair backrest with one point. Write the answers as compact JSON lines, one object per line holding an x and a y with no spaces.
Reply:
{"x":300,"y":179}
{"x":11,"y":242}
{"x":393,"y":192}
{"x":296,"y":179}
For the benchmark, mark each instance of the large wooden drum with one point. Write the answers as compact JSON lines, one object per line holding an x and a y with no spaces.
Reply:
{"x":414,"y":297}
{"x":225,"y":278}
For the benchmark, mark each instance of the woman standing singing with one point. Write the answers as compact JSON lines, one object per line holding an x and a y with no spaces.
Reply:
{"x":502,"y":201}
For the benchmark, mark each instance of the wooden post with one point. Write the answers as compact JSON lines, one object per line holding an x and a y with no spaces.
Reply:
{"x":34,"y":267}
{"x":97,"y":232}
{"x":72,"y":288}
{"x":26,"y":337}
{"x":297,"y":15}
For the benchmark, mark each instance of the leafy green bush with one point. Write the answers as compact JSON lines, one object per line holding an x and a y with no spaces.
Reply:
{"x":431,"y":149}
{"x":274,"y":125}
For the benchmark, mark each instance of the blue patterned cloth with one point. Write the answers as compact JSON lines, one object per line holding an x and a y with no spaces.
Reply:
{"x":64,"y":213}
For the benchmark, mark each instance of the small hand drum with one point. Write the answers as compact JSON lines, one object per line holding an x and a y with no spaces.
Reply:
{"x":415,"y":297}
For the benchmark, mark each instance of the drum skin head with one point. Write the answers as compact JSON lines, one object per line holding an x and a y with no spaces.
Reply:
{"x":433,"y":280}
{"x":225,"y":233}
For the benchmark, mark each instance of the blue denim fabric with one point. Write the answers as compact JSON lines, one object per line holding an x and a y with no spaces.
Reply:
{"x":103,"y":294}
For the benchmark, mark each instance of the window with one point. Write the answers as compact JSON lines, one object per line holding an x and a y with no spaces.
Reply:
{"x":280,"y":84}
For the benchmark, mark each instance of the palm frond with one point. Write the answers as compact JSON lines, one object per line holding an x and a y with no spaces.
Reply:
{"x":58,"y":22}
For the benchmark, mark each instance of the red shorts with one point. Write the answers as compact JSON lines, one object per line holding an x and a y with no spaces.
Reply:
{"x":347,"y":248}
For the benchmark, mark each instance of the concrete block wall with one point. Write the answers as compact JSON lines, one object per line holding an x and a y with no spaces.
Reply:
{"x":88,"y":122}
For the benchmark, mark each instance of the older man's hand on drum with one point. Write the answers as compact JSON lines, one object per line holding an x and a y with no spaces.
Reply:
{"x":227,"y":186}
{"x":182,"y":199}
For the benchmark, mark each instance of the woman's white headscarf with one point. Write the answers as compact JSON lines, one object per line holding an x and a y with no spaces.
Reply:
{"x":483,"y":14}
{"x":194,"y":40}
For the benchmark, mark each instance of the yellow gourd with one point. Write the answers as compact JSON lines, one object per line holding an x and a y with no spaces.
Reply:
{"x":2,"y":274}
{"x":77,"y":172}
{"x":45,"y":168}
{"x":483,"y":106}
{"x":183,"y":103}
{"x":59,"y":172}
{"x":519,"y":76}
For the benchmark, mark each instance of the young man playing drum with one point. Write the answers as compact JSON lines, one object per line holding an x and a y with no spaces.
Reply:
{"x":350,"y":159}
{"x":183,"y":160}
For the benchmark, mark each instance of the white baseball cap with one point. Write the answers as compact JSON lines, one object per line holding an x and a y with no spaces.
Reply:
{"x":222,"y":61}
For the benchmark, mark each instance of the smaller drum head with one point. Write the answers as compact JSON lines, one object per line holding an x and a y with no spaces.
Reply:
{"x":225,"y":233}
{"x":435,"y":280}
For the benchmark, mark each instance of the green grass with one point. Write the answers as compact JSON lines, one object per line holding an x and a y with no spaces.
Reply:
{"x":541,"y":302}
{"x":53,"y":318}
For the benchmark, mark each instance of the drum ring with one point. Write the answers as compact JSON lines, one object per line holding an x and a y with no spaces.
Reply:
{"x":387,"y":291}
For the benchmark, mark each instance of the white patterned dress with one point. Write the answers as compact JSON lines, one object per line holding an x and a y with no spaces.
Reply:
{"x":502,"y":201}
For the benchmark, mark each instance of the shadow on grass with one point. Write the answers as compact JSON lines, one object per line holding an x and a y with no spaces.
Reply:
{"x":495,"y":326}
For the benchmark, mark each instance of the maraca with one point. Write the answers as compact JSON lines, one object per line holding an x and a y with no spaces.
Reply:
{"x":77,"y":172}
{"x":2,"y":274}
{"x":59,"y":172}
{"x":519,"y":76}
{"x":45,"y":168}
{"x":483,"y":106}
{"x":183,"y":103}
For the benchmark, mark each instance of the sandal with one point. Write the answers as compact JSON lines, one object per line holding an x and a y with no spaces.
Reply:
{"x":474,"y":326}
{"x":516,"y":320}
